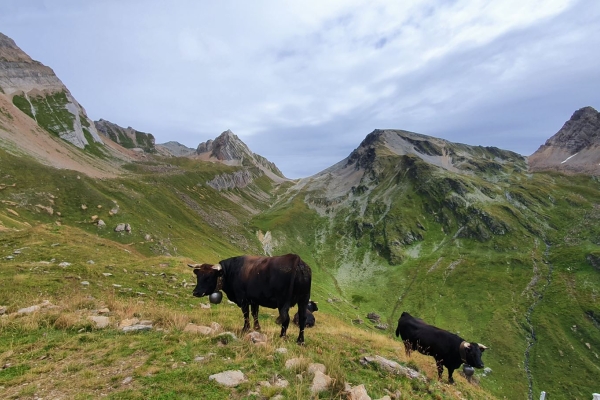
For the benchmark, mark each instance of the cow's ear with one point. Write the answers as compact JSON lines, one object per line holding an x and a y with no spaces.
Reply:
{"x":194,"y":266}
{"x":482,"y":347}
{"x":217,"y":267}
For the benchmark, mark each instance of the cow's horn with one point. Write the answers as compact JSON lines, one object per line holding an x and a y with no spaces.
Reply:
{"x":217,"y":267}
{"x":194,"y":266}
{"x":482,"y":347}
{"x":467,"y":345}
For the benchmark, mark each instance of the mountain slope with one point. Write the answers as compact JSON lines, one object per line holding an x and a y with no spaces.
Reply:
{"x":465,"y":238}
{"x":38,"y":93}
{"x":575,"y":148}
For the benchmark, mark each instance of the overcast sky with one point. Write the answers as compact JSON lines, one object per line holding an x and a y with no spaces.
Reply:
{"x":303,"y":82}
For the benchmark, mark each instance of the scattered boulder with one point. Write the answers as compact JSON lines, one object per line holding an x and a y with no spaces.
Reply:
{"x":373,"y":317}
{"x":204,"y":306}
{"x":101,"y":224}
{"x":392,"y":367}
{"x":120,"y":227}
{"x":2,"y":310}
{"x":382,"y":327}
{"x":127,"y":380}
{"x":128,"y":322}
{"x":13,"y":212}
{"x":229,"y":378}
{"x":137,"y":328}
{"x":358,"y":393}
{"x":104,"y":310}
{"x":64,"y":264}
{"x":320,"y":382}
{"x":127,"y":228}
{"x":100,"y":321}
{"x":314,"y":367}
{"x":114,"y":210}
{"x":34,"y":308}
{"x":281,"y":350}
{"x":83,"y":207}
{"x":199,"y":329}
{"x":256,"y":338}
{"x":85,"y":283}
{"x":147,"y":237}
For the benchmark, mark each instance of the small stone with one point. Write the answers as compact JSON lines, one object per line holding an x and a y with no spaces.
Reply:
{"x":147,"y":238}
{"x":588,"y":346}
{"x":99,"y":206}
{"x":83,"y":207}
{"x":107,"y":274}
{"x":256,"y":337}
{"x":216,"y":327}
{"x":85,"y":283}
{"x":91,"y":262}
{"x":64,"y":264}
{"x":204,"y":306}
{"x":28,"y":310}
{"x":281,"y":350}
{"x":13,"y":212}
{"x":94,"y":218}
{"x":2,"y":310}
{"x":104,"y":310}
{"x":120,"y":228}
{"x":101,"y":224}
{"x":127,"y":380}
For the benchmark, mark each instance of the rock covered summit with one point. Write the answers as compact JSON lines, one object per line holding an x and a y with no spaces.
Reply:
{"x":36,"y":90}
{"x":575,"y":148}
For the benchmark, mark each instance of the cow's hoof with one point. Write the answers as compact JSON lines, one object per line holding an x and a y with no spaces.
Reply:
{"x":300,"y":343}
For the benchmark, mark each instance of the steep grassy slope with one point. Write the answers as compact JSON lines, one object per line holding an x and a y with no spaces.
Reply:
{"x":50,"y":248}
{"x":501,"y":256}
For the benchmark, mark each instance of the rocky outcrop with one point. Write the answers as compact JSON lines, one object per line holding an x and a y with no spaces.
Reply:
{"x":575,"y":148}
{"x":238,"y":179}
{"x":126,"y":137}
{"x":36,"y":90}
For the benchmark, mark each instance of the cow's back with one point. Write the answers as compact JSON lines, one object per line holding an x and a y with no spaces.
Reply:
{"x":267,"y":281}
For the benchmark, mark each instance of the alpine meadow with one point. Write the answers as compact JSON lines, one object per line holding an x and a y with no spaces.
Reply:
{"x":98,"y":224}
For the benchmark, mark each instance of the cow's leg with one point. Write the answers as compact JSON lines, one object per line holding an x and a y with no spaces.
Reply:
{"x":302,"y":304}
{"x":246,"y":312}
{"x":254,"y":308}
{"x":450,"y":379}
{"x":440,"y":368}
{"x":407,"y":348}
{"x":284,"y":316}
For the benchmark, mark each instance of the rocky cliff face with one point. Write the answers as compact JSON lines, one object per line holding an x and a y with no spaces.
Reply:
{"x":126,"y":137}
{"x":575,"y":148}
{"x":229,"y":149}
{"x":37,"y":91}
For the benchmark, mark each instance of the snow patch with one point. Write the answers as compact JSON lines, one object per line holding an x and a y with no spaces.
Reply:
{"x":568,"y":158}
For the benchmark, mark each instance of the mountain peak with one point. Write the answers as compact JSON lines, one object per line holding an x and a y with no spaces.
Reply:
{"x":574,"y":148}
{"x":35,"y":90}
{"x":229,"y":149}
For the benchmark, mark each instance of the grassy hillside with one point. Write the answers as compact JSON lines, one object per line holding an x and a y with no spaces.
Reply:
{"x":493,"y":256}
{"x":52,"y":250}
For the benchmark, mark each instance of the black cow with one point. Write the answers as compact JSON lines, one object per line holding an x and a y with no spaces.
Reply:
{"x":448,"y":349}
{"x":250,"y":281}
{"x":310,"y":318}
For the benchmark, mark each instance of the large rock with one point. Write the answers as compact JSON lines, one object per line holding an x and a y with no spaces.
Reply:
{"x":229,"y":378}
{"x":320,"y":382}
{"x":199,"y":329}
{"x":392,"y":367}
{"x":358,"y":393}
{"x":99,"y":321}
